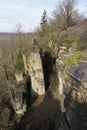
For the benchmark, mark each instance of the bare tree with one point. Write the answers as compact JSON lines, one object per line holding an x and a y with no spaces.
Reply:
{"x":65,"y":13}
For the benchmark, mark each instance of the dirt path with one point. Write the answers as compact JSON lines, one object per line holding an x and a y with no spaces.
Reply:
{"x":44,"y":108}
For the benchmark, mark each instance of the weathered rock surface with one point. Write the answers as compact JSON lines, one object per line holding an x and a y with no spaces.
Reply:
{"x":74,"y":96}
{"x":66,"y":109}
{"x":35,"y":71}
{"x":60,"y":67}
{"x":79,"y":73}
{"x":18,"y":101}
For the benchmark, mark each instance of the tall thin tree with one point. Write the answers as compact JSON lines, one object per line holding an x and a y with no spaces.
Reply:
{"x":43,"y":23}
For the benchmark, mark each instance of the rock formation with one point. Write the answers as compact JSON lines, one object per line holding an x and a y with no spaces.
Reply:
{"x":69,"y":113}
{"x":76,"y":97}
{"x":32,"y":82}
{"x":78,"y":76}
{"x":73,"y":88}
{"x":60,"y":67}
{"x":33,"y":65}
{"x":18,"y":99}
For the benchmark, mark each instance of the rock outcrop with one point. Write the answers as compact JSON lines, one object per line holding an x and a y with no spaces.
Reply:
{"x":78,"y":76}
{"x":18,"y":99}
{"x":32,"y":82}
{"x":33,"y":66}
{"x":73,"y":88}
{"x":76,"y":97}
{"x":68,"y":111}
{"x":60,"y":67}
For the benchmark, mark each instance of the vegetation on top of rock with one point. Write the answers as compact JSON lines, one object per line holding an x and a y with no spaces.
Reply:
{"x":72,"y":60}
{"x":82,"y":42}
{"x":65,"y":13}
{"x":65,"y":28}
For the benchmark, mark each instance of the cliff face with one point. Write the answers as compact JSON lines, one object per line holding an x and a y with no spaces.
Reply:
{"x":33,"y":66}
{"x":18,"y":100}
{"x":76,"y":104}
{"x":36,"y":73}
{"x":74,"y":96}
{"x":65,"y":108}
{"x":29,"y":84}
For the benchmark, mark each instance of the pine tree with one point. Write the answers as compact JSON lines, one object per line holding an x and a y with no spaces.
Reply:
{"x":43,"y":23}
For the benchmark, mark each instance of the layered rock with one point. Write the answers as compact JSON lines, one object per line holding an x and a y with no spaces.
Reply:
{"x":73,"y":88}
{"x":78,"y":76}
{"x":60,"y":67}
{"x":71,"y":113}
{"x":33,"y":65}
{"x":76,"y":97}
{"x":18,"y":99}
{"x":34,"y":85}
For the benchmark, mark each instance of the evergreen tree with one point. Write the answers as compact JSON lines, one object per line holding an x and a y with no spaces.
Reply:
{"x":43,"y":23}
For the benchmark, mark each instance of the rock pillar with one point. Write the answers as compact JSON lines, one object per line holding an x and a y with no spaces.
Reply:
{"x":18,"y":101}
{"x":60,"y":67}
{"x":35,"y":71}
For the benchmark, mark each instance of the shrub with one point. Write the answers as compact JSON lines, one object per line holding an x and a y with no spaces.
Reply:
{"x":69,"y":41}
{"x":82,"y":42}
{"x":19,"y":64}
{"x":72,"y":60}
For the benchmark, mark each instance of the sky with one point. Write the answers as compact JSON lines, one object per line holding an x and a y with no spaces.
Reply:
{"x":28,"y":13}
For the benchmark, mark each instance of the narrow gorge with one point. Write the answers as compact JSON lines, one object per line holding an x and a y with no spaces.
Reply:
{"x":47,"y":95}
{"x":54,"y":108}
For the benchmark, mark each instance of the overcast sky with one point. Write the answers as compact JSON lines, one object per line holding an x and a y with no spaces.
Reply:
{"x":28,"y":13}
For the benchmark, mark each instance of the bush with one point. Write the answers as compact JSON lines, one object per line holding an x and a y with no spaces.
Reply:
{"x":72,"y":60}
{"x":82,"y":42}
{"x":19,"y":65}
{"x":68,"y":42}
